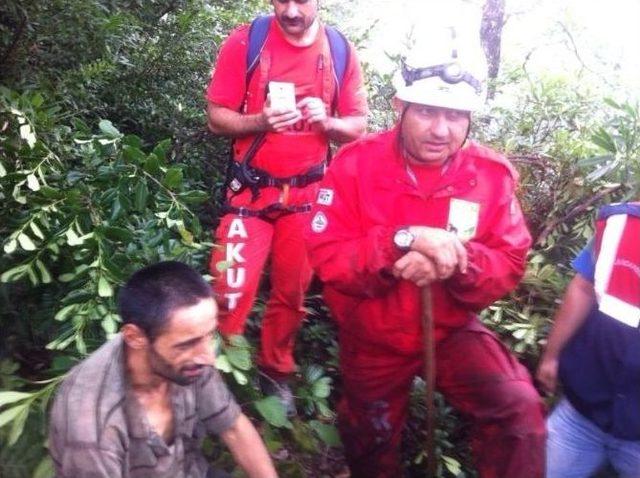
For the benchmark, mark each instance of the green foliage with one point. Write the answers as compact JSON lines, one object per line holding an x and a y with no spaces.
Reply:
{"x":105,"y":166}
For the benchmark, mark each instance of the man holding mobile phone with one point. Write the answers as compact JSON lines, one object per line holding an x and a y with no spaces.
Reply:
{"x":282,"y":106}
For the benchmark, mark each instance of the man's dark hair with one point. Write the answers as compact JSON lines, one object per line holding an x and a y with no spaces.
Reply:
{"x":152,"y":294}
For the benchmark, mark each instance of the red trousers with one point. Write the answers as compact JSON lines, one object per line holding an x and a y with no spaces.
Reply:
{"x":242,"y":248}
{"x":476,"y":374}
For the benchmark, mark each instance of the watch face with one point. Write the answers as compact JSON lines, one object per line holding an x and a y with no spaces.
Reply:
{"x":403,"y":239}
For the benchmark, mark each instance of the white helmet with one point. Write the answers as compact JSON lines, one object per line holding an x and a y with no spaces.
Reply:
{"x":443,"y":72}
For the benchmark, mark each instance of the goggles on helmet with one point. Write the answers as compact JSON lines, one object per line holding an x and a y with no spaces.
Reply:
{"x":450,"y":73}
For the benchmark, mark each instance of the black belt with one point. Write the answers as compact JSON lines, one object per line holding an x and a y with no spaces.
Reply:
{"x":270,"y":212}
{"x":245,"y":176}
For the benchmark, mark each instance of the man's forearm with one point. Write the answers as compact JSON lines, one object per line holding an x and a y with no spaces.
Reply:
{"x":346,"y":129}
{"x":227,"y":122}
{"x":576,"y":305}
{"x":248,"y":449}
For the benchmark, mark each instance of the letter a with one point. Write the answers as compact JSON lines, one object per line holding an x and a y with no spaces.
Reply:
{"x":237,"y":229}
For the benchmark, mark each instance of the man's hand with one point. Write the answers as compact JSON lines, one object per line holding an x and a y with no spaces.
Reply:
{"x":314,"y":111}
{"x":248,"y":449}
{"x":442,"y":247}
{"x":547,"y":374}
{"x":278,"y":120}
{"x":415,"y":267}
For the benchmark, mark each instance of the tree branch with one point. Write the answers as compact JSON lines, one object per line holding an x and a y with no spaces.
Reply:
{"x":575,"y":211}
{"x":4,"y":60}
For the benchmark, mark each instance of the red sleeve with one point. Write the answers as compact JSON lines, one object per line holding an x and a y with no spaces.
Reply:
{"x":497,"y":259}
{"x":227,"y":85}
{"x":353,"y":95}
{"x":346,"y":256}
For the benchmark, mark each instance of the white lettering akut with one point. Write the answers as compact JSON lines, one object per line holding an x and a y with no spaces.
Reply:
{"x":236,"y":228}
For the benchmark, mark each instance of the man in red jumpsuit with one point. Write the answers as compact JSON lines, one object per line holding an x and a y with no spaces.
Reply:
{"x":290,"y":147}
{"x":418,"y":206}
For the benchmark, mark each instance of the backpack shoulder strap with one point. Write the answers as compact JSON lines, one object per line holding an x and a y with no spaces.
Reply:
{"x":257,"y":37}
{"x":340,"y":53}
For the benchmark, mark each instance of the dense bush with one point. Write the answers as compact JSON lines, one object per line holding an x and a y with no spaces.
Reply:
{"x":105,"y":166}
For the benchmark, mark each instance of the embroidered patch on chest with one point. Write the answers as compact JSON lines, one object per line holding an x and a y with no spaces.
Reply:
{"x":463,"y":218}
{"x":319,"y":222}
{"x":325,"y":197}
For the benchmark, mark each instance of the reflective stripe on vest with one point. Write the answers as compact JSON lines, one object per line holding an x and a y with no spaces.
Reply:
{"x":617,"y":271}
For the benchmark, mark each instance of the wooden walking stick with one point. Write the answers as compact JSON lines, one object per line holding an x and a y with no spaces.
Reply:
{"x":430,"y":378}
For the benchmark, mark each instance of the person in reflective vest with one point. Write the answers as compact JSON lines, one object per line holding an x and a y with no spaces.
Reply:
{"x":594,"y":351}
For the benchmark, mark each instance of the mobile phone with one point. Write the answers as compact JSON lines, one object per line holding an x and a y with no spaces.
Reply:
{"x":282,"y":95}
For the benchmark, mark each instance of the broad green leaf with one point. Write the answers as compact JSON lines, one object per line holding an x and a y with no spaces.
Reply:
{"x":133,"y":141}
{"x":452,"y":465}
{"x":239,"y":357}
{"x":117,"y":233}
{"x":239,"y":341}
{"x":44,"y":469}
{"x":160,"y":150}
{"x":116,"y":208}
{"x":65,"y":311}
{"x":104,"y":288}
{"x":327,"y":433}
{"x":133,"y":154}
{"x":3,"y":171}
{"x":18,"y":424}
{"x":36,"y":230}
{"x":604,"y":140}
{"x":141,"y":193}
{"x":108,"y":129}
{"x":324,"y":410}
{"x":44,"y":273}
{"x":32,"y":182}
{"x":37,"y":100}
{"x":173,"y":178}
{"x":27,"y":134}
{"x":10,"y":246}
{"x":194,"y":197}
{"x":223,"y":364}
{"x":72,"y":238}
{"x":10,"y":397}
{"x":186,"y":236}
{"x":239,"y":377}
{"x":313,"y":373}
{"x":26,"y":243}
{"x":322,"y":388}
{"x":273,"y":412}
{"x":15,"y":273}
{"x":109,"y":325}
{"x":12,"y":413}
{"x":152,"y":164}
{"x":17,"y":193}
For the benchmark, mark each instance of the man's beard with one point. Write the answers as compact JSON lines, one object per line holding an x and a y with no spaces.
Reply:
{"x":164,"y":369}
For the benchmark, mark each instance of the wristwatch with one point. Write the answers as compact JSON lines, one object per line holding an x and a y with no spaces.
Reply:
{"x":403,"y":239}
